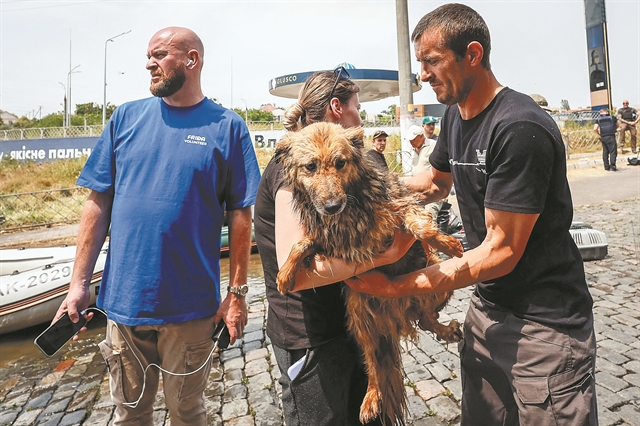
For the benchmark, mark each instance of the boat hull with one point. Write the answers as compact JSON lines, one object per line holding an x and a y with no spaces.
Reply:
{"x":33,"y":296}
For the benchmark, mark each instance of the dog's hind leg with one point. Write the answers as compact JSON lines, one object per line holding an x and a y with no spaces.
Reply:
{"x":386,"y":396}
{"x":287,"y":274}
{"x":448,"y":333}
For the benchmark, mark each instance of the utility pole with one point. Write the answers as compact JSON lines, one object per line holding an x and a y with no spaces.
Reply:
{"x":104,"y":99}
{"x":64,"y":111}
{"x":246,"y":111}
{"x":404,"y":73}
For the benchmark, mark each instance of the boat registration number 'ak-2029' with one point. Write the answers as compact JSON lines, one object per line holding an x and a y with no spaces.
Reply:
{"x":34,"y":281}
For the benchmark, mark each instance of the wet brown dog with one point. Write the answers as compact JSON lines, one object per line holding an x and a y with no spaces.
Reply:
{"x":350,"y":209}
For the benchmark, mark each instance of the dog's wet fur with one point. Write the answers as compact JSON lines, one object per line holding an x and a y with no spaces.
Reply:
{"x":350,"y":209}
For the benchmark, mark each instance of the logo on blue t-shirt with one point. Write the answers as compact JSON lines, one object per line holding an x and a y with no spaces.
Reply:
{"x":196,"y":140}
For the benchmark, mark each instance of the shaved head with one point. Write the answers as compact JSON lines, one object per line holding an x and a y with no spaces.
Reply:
{"x":182,"y":38}
{"x":175,"y":58}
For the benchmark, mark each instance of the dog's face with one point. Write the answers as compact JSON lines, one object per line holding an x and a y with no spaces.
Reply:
{"x":323,"y":161}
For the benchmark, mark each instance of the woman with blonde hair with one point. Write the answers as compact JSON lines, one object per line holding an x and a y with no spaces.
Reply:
{"x":308,"y":327}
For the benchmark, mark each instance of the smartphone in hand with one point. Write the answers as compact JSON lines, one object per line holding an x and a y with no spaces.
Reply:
{"x":221,"y":335}
{"x":57,"y":334}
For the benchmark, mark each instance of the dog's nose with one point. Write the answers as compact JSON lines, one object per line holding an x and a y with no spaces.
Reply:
{"x":332,"y":206}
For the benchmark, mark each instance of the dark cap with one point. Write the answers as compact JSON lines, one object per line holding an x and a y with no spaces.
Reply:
{"x":379,"y":134}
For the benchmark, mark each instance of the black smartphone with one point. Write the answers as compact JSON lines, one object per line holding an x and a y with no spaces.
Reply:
{"x":221,"y":335}
{"x":57,"y":334}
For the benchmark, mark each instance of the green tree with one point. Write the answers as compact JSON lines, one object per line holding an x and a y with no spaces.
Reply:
{"x":51,"y":120}
{"x":92,"y":112}
{"x":88,"y":109}
{"x":23,"y":123}
{"x":255,"y":114}
{"x":363,"y":115}
{"x":564,"y":104}
{"x":391,"y":111}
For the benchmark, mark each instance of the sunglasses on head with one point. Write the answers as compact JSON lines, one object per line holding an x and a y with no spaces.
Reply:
{"x":338,"y":71}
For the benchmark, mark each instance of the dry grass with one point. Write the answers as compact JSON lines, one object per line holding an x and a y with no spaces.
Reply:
{"x":19,"y":177}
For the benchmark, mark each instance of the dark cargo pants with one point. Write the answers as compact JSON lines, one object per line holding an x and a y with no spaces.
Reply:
{"x":329,"y":389}
{"x":609,"y":151}
{"x":519,"y":372}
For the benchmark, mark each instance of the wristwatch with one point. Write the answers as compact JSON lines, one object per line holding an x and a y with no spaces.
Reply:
{"x":240,"y":290}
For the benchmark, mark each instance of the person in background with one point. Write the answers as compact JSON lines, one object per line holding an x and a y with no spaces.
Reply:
{"x":529,"y":349}
{"x":160,"y":176}
{"x":605,"y":128}
{"x":628,"y":118}
{"x":422,"y":149}
{"x":376,"y":154}
{"x":429,"y":126}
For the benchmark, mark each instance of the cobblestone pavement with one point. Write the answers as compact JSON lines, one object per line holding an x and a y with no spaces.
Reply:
{"x":73,"y":389}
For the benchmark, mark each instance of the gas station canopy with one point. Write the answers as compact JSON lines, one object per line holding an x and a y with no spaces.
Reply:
{"x":374,"y":84}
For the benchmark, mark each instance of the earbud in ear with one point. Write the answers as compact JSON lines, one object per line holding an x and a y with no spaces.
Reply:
{"x":190,"y":62}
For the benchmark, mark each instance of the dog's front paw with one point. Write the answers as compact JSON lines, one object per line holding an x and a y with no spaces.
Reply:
{"x":448,"y":245}
{"x":285,"y":281}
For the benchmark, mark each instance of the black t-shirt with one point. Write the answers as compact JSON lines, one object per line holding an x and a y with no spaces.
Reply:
{"x":377,"y":158}
{"x":511,"y":158}
{"x":302,"y":319}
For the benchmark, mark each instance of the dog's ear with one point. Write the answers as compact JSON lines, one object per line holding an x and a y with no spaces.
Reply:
{"x":283,"y":148}
{"x":355,"y":136}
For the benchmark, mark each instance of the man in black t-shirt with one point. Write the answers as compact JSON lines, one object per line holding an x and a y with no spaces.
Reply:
{"x":606,"y":127}
{"x":528,"y":353}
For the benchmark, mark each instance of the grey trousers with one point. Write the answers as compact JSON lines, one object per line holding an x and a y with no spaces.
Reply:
{"x":519,"y":372}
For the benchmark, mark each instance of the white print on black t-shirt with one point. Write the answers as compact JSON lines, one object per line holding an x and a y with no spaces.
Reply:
{"x":480,"y":166}
{"x":196,"y":140}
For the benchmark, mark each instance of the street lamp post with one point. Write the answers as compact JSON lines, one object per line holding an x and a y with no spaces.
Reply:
{"x":246,"y":112}
{"x":71,"y":71}
{"x":64,"y":111}
{"x":104,"y":100}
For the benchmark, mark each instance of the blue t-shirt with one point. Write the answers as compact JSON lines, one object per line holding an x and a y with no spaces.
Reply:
{"x":173,"y":171}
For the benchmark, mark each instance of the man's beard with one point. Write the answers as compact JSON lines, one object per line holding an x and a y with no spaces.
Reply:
{"x":169,"y":83}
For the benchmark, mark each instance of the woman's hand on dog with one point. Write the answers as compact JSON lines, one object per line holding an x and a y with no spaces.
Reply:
{"x":325,"y":271}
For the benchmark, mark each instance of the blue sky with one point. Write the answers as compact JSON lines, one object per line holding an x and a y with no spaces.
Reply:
{"x":538,"y":47}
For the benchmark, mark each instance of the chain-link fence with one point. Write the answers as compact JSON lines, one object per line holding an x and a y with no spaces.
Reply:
{"x":51,"y":132}
{"x":399,"y":161}
{"x":96,"y":130}
{"x":581,"y":141}
{"x":42,"y":208}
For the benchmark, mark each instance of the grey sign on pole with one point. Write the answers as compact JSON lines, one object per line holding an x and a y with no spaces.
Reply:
{"x":598,"y":54}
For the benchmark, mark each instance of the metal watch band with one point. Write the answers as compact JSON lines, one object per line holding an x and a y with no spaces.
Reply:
{"x":240,"y":290}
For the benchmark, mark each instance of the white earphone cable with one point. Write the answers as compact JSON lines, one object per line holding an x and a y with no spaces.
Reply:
{"x":144,"y":369}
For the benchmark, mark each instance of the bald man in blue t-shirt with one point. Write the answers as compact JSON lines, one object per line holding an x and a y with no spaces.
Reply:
{"x":161,"y":176}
